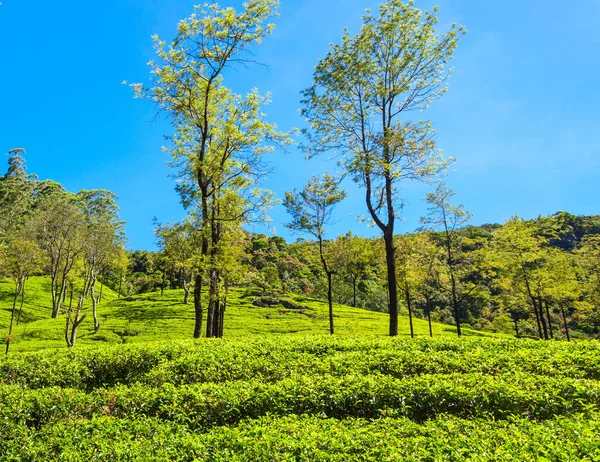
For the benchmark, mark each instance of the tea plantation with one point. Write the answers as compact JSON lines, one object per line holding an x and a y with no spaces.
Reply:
{"x":279,"y":389}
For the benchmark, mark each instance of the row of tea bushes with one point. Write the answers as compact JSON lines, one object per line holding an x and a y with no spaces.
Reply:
{"x":279,"y":357}
{"x":311,"y":438}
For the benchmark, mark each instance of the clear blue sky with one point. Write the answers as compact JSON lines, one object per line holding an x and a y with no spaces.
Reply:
{"x":521,"y":116}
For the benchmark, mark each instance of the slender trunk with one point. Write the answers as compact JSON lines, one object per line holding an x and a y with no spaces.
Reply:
{"x":409,"y":306}
{"x":537,"y":318}
{"x":549,"y":318}
{"x":428,"y":298}
{"x":222,"y":314}
{"x":564,"y":316}
{"x":354,"y":291}
{"x":60,"y":296}
{"x":77,"y":321}
{"x":186,"y":292}
{"x":22,"y":302}
{"x":531,"y":297}
{"x":94,"y":305}
{"x":217,"y":308}
{"x":18,"y":288}
{"x":212,"y":304}
{"x":120,"y":285}
{"x":68,"y":318}
{"x":455,"y":306}
{"x":198,"y":306}
{"x":330,"y":302}
{"x":329,"y":274}
{"x":542,"y":318}
{"x":392,"y":282}
{"x":54,"y":296}
{"x":516,"y":321}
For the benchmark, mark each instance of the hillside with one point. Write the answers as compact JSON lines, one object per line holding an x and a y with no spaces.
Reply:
{"x":151,"y":317}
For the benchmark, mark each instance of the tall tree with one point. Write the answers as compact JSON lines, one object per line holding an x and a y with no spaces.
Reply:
{"x":449,"y":218}
{"x":178,"y":242}
{"x":103,"y":237}
{"x":359,"y":105}
{"x":311,"y":210}
{"x":220,"y":137}
{"x":20,"y":259}
{"x":356,"y":259}
{"x":16,"y":193}
{"x":59,"y":226}
{"x":529,"y":264}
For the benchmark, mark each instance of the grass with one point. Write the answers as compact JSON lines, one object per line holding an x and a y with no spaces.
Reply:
{"x":152,"y":317}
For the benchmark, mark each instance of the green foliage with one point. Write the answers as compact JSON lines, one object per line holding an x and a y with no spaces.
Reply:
{"x":305,"y":398}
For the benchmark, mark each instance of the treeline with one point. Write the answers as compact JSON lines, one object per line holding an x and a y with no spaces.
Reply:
{"x":75,"y":238}
{"x":534,"y":278}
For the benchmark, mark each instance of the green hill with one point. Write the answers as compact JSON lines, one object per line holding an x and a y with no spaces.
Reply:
{"x":280,"y":388}
{"x":152,"y":317}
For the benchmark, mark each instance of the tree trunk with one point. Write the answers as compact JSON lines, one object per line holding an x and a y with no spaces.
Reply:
{"x":542,"y":318}
{"x":22,"y":302}
{"x":60,"y":297}
{"x":354,"y":290}
{"x":537,"y":318}
{"x":198,"y":306}
{"x":94,"y":305}
{"x":390,"y":259}
{"x":213,"y":301}
{"x":54,"y":297}
{"x":222,"y":314}
{"x":18,"y":288}
{"x":330,"y":302}
{"x":428,"y":298}
{"x":68,"y":319}
{"x":186,"y":294}
{"x":455,"y":306}
{"x":564,"y":316}
{"x":549,"y":318}
{"x":408,"y":305}
{"x":516,"y":321}
{"x":120,"y":285}
{"x":77,"y":321}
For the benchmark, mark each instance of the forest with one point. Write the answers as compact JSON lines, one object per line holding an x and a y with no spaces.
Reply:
{"x":455,"y":341}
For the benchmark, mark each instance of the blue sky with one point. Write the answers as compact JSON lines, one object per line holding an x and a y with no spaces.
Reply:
{"x":521,"y":115}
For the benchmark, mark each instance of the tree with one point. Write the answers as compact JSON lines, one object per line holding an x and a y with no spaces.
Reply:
{"x":311,"y":211}
{"x":103,"y":237}
{"x":179,"y":242}
{"x":359,"y":103}
{"x":449,"y":218}
{"x":20,"y":259}
{"x":356,"y":258}
{"x":539,"y":272}
{"x":59,"y":226}
{"x":420,"y":265}
{"x":220,"y":136}
{"x":407,"y":272}
{"x":16,"y":193}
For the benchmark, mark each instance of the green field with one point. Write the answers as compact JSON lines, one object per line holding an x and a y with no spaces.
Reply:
{"x":279,"y":388}
{"x":151,"y":317}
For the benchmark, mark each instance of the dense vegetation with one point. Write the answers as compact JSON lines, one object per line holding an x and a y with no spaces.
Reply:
{"x":128,"y":387}
{"x":305,"y":398}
